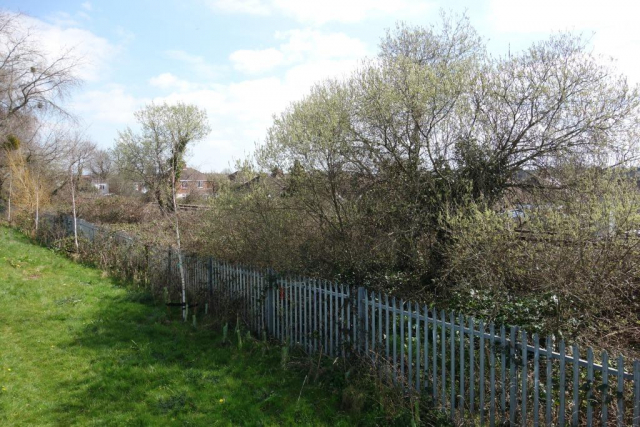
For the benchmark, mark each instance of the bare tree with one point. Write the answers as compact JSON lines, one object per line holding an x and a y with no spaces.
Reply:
{"x":29,"y":79}
{"x":78,"y":154}
{"x":100,"y":165}
{"x":33,"y":82}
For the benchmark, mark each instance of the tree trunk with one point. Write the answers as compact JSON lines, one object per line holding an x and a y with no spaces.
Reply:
{"x":158,"y":195}
{"x":10,"y":194}
{"x":177,"y":226}
{"x":75,"y":219}
{"x":37,"y":202}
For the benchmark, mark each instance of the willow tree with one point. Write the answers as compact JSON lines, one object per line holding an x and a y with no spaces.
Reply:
{"x":25,"y":193}
{"x":33,"y":172}
{"x":154,"y":156}
{"x":8,"y":148}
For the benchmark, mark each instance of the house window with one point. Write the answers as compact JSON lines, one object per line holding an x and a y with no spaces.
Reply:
{"x":184,"y":184}
{"x":101,"y":186}
{"x":199,"y":184}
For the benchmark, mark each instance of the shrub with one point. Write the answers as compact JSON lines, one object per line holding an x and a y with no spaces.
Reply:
{"x":113,"y":210}
{"x":570,"y":267}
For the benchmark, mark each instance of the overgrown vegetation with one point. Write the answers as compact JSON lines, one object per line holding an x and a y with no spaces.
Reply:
{"x":503,"y":187}
{"x":568,"y":266}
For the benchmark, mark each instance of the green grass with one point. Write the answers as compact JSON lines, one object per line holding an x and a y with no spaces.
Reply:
{"x":76,"y":349}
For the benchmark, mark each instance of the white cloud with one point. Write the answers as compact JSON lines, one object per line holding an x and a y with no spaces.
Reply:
{"x":305,"y":43}
{"x":169,"y":81}
{"x":300,"y":78}
{"x":95,"y":53}
{"x":299,"y":46}
{"x":163,"y":80}
{"x":63,"y":19}
{"x":86,"y":5}
{"x":320,"y":12}
{"x":113,"y":105}
{"x":253,"y":7}
{"x":196,"y":63}
{"x":67,"y":19}
{"x":241,"y":112}
{"x":256,"y":61}
{"x":614,"y":23}
{"x":545,"y":16}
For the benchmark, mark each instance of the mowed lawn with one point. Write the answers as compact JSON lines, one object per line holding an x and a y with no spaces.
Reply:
{"x":75,"y":349}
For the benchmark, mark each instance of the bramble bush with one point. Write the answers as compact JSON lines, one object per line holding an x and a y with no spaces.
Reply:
{"x":569,"y":267}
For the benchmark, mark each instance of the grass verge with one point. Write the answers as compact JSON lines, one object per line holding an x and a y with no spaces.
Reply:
{"x":77,"y":349}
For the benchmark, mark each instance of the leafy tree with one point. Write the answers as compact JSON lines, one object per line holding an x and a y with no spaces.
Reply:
{"x":435,"y":123}
{"x":155,"y":156}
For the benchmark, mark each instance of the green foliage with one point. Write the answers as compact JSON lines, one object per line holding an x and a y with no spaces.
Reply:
{"x":402,"y":176}
{"x":225,"y":333}
{"x":11,"y":143}
{"x":540,"y":271}
{"x":284,"y":358}
{"x":376,"y":160}
{"x":154,"y":157}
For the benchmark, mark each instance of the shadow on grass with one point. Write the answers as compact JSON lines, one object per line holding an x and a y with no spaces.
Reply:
{"x":148,"y":368}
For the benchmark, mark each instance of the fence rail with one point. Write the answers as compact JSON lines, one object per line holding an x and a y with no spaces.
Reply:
{"x":478,"y":372}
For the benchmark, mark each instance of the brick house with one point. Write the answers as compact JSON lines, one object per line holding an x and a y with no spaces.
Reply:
{"x":193,"y":182}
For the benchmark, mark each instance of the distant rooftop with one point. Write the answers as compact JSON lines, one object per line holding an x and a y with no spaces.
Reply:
{"x":191,"y":174}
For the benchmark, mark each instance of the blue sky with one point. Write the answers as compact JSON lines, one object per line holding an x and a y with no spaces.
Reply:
{"x":245,"y":60}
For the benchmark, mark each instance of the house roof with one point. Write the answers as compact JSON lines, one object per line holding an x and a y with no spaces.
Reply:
{"x":190,"y":174}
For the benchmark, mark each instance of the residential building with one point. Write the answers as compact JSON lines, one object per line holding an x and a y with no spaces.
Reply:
{"x":99,"y":184}
{"x":194,"y":183}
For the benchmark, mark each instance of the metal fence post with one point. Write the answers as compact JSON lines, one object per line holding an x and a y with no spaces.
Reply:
{"x":210,"y":278}
{"x":270,"y":320}
{"x":361,"y":310}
